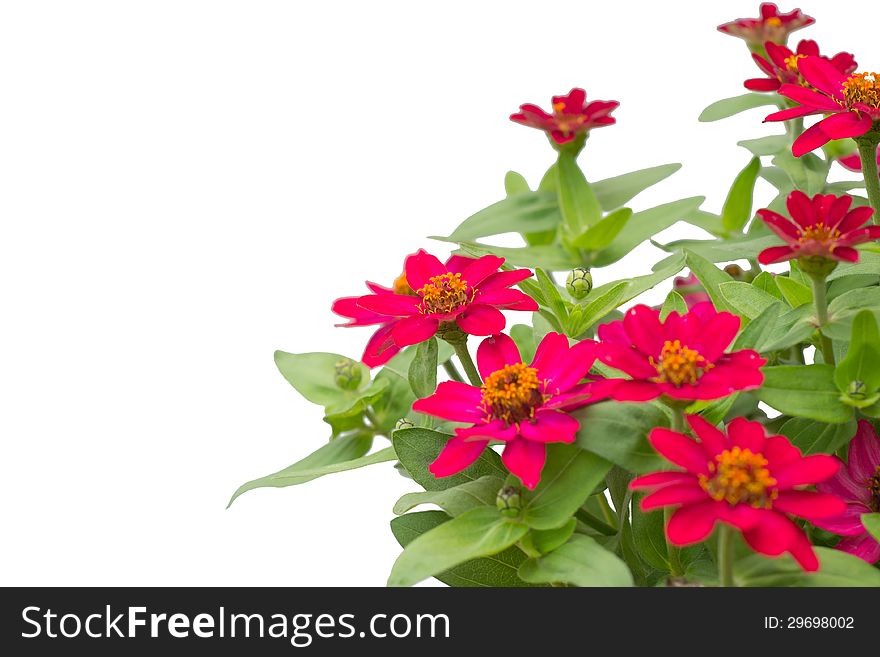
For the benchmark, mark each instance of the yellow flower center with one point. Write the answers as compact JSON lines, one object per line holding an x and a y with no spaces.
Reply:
{"x":401,"y":286}
{"x":679,"y":365}
{"x":512,"y":393}
{"x":819,"y":233}
{"x":862,"y":88}
{"x":740,"y":476}
{"x":444,"y":294}
{"x":791,"y":62}
{"x":773,"y":21}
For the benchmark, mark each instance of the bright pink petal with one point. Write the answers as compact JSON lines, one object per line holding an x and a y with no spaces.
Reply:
{"x":809,"y":97}
{"x":348,"y":307}
{"x":775,"y":254}
{"x":864,"y":547}
{"x":747,"y":435}
{"x":457,"y":263}
{"x":846,"y":124}
{"x":657,"y":479}
{"x":525,"y":459}
{"x":479,"y":269}
{"x":864,"y":451}
{"x":822,"y":75}
{"x":495,"y":352}
{"x":800,"y":209}
{"x":802,"y":551}
{"x":808,"y":470}
{"x":856,"y":217}
{"x":761,"y":84}
{"x":772,"y":535}
{"x":811,"y":139}
{"x":680,"y":450}
{"x":504,"y":279}
{"x":791,"y":113}
{"x":779,"y":225}
{"x":848,"y":523}
{"x":846,"y":486}
{"x":392,"y":305}
{"x":809,"y":505}
{"x":716,"y":335}
{"x":420,"y":267}
{"x":573,"y":367}
{"x":380,"y":348}
{"x":457,"y":455}
{"x":691,"y":523}
{"x":845,"y":254}
{"x":494,"y":430}
{"x":713,"y":440}
{"x":642,"y":325}
{"x":413,"y":330}
{"x":779,"y":451}
{"x":550,"y":427}
{"x":507,"y":298}
{"x":479,"y":319}
{"x":633,"y":391}
{"x":550,"y":354}
{"x":454,"y":401}
{"x":684,"y":493}
{"x":626,"y":359}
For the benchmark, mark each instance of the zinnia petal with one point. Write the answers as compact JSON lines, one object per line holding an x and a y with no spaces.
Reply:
{"x":550,"y":427}
{"x":525,"y":459}
{"x":684,"y":493}
{"x":479,"y":319}
{"x":808,"y":504}
{"x":421,"y":267}
{"x":392,"y":305}
{"x":679,"y":449}
{"x":380,"y":348}
{"x":643,"y":327}
{"x":822,"y":75}
{"x":454,"y":401}
{"x":412,"y":330}
{"x":808,"y":470}
{"x":691,"y":523}
{"x":457,"y":455}
{"x":845,"y":124}
{"x":496,"y":352}
{"x":864,"y":451}
{"x":479,"y":269}
{"x":713,"y":440}
{"x":775,"y":254}
{"x":811,"y":139}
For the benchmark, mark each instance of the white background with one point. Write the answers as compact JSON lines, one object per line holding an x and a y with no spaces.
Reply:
{"x":185,"y":186}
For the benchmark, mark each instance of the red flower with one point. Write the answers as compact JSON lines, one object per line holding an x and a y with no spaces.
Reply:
{"x":858,"y":484}
{"x":781,"y":65}
{"x":771,"y":26}
{"x":852,"y":103}
{"x":823,"y":227}
{"x":682,"y":357}
{"x":853,"y":162}
{"x":572,"y":116}
{"x":467,"y":291}
{"x":745,"y":479}
{"x":523,"y":406}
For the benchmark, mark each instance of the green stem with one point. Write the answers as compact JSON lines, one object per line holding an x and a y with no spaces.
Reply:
{"x":607,"y":511}
{"x":725,"y":555}
{"x":467,"y":362}
{"x":820,"y":300}
{"x":452,"y":371}
{"x":591,"y":521}
{"x":868,"y":155}
{"x":673,"y":552}
{"x":794,"y":128}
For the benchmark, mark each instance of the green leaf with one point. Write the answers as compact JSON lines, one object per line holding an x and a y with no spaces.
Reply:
{"x":790,"y":328}
{"x":423,"y":369}
{"x":745,"y":299}
{"x":644,"y":225}
{"x":759,"y":331}
{"x":582,"y":562}
{"x":619,"y":431}
{"x":862,"y":361}
{"x":524,"y":337}
{"x":813,"y":437}
{"x":796,"y":294}
{"x":569,"y":476}
{"x":599,"y":236}
{"x":550,"y":256}
{"x":807,"y":173}
{"x":551,"y":295}
{"x":314,"y":377}
{"x":649,"y":537}
{"x":836,"y":569}
{"x":804,"y":390}
{"x":663,"y":270}
{"x":340,"y":454}
{"x":730,"y":106}
{"x":520,"y":213}
{"x":618,"y":191}
{"x":737,"y":247}
{"x":871,"y":521}
{"x":417,"y":448}
{"x":595,"y":307}
{"x":674,"y":301}
{"x":345,"y":417}
{"x":767,"y":282}
{"x":577,"y":202}
{"x":547,"y":540}
{"x":737,"y":208}
{"x":869,"y":263}
{"x":480,"y":532}
{"x":515,"y":183}
{"x":770,"y":145}
{"x":710,"y":278}
{"x":457,"y":499}
{"x":495,"y":570}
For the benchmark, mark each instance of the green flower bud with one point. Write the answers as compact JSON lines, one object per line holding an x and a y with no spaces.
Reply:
{"x":579,"y":282}
{"x":348,"y":374}
{"x":857,"y":390}
{"x":509,"y":501}
{"x":817,"y":265}
{"x":403,"y":423}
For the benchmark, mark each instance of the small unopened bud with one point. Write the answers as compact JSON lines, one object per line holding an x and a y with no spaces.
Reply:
{"x":348,"y":374}
{"x":734,"y":271}
{"x":403,"y":423}
{"x":579,"y":282}
{"x":856,"y":390}
{"x":509,"y":501}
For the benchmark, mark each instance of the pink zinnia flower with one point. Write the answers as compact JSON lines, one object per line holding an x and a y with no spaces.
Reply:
{"x":781,"y":64}
{"x":682,"y":357}
{"x":858,"y":484}
{"x":851,"y":103}
{"x":572,"y":116}
{"x":853,"y":162}
{"x":770,"y":26}
{"x":523,"y":406}
{"x":822,"y":227}
{"x":745,"y":479}
{"x":468,"y":292}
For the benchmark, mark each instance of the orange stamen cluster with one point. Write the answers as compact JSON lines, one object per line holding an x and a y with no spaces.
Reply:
{"x":444,"y":294}
{"x":679,"y":365}
{"x":512,"y":393}
{"x":773,"y":21}
{"x":401,"y":286}
{"x":862,"y":88}
{"x":740,"y":476}
{"x":819,"y":233}
{"x":791,"y":62}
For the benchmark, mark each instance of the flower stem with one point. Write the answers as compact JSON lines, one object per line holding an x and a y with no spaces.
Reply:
{"x":725,"y":555}
{"x":467,"y":362}
{"x":673,"y":553}
{"x":868,"y":155}
{"x":821,"y":302}
{"x":452,"y":371}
